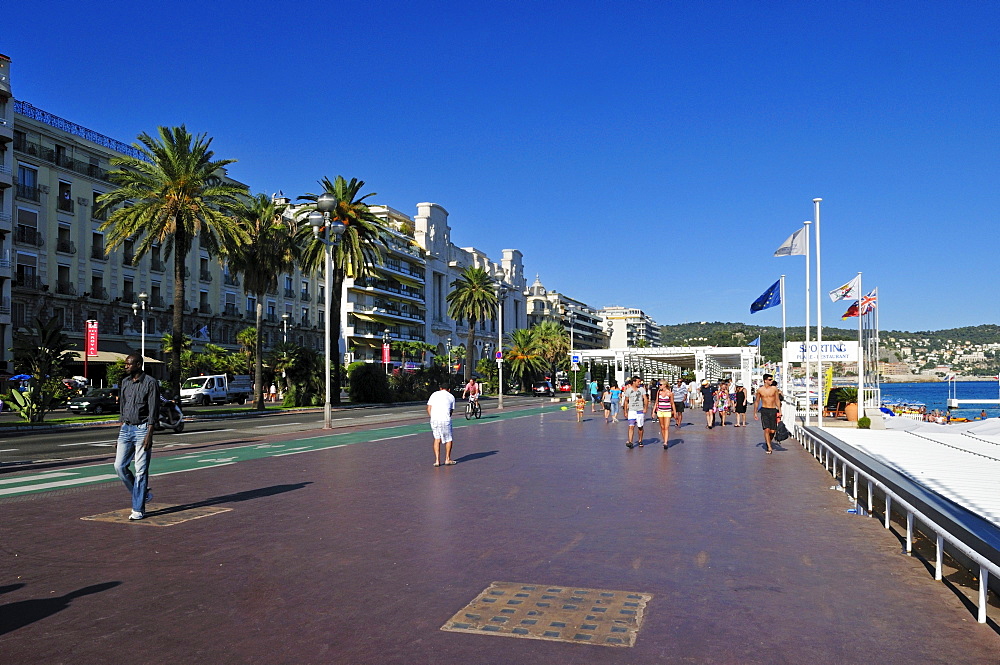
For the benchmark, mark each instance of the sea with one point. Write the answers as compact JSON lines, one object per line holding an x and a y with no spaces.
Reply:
{"x":935,"y":396}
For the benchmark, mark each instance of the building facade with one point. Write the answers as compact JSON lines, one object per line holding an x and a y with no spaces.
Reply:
{"x":583,"y":323}
{"x":630,"y":327}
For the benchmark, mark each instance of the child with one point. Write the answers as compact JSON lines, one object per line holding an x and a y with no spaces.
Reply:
{"x":581,"y":404}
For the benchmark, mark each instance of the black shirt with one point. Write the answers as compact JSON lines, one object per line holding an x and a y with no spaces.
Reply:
{"x":139,"y":400}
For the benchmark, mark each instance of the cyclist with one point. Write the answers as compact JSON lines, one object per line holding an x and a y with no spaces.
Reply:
{"x":473,"y":390}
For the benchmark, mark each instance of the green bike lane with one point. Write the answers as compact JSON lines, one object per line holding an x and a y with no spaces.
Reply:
{"x":209,"y":459}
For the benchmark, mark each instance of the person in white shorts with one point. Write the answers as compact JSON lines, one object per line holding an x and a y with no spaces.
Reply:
{"x":636,"y":401}
{"x":439,"y":408}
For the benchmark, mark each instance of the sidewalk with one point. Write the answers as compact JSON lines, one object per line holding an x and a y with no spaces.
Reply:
{"x":361,"y":553}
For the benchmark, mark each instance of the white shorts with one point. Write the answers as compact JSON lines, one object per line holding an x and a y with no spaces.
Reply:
{"x":441,"y":430}
{"x":637,"y":418}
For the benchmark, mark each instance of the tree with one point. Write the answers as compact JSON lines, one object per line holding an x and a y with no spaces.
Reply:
{"x":522,"y":356}
{"x":415,"y":349}
{"x":248,"y":340}
{"x":360,"y":248}
{"x":269,"y":251}
{"x":172,"y":195}
{"x":43,"y":353}
{"x":553,"y":344}
{"x":472,"y":299}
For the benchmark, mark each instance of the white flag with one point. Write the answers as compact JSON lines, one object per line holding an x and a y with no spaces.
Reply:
{"x":847,"y":291}
{"x":795,"y":245}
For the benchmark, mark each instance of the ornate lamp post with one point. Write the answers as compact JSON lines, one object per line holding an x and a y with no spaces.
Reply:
{"x":284,"y":327}
{"x":449,"y":361}
{"x":322,"y":225}
{"x":500,"y":288}
{"x":136,"y":308}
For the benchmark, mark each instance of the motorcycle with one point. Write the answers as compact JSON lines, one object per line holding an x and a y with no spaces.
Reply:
{"x":170,"y":416}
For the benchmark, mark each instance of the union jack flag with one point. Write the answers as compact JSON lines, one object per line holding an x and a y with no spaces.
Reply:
{"x":869,"y":301}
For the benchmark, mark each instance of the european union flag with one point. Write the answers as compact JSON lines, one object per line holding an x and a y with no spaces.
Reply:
{"x":769,"y":298}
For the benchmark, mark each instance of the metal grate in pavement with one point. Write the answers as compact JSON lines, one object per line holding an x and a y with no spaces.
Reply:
{"x":557,"y":613}
{"x":159,"y":514}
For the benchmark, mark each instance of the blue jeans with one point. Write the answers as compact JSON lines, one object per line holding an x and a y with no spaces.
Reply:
{"x":614,"y":408}
{"x":130,"y":440}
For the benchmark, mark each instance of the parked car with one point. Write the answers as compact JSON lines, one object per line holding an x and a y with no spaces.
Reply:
{"x":216,"y":389}
{"x":565,"y":386}
{"x":542,"y":388}
{"x":97,"y":400}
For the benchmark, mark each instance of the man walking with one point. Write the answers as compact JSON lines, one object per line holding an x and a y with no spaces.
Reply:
{"x":595,"y":395}
{"x":439,"y":408}
{"x":680,"y":398}
{"x":636,"y":402}
{"x":768,"y":400}
{"x":139,"y":399}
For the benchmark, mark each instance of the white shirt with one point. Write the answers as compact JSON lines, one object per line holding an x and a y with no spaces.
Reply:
{"x":442,"y":403}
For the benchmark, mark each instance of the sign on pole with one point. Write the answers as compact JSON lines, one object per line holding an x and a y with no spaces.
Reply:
{"x":91,"y":338}
{"x":499,"y":355}
{"x":575,"y":358}
{"x":385,"y":354}
{"x":797,"y":352}
{"x":576,"y":367}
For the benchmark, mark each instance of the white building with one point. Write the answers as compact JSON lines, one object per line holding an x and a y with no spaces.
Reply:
{"x":582,"y":322}
{"x":630,"y":327}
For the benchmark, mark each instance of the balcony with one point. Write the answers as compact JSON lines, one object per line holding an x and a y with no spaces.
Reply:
{"x":65,"y":204}
{"x":230,"y":280}
{"x":63,"y":160}
{"x":28,"y":192}
{"x":230,"y":310}
{"x":305,"y":322}
{"x":100,"y":216}
{"x":129,"y":297}
{"x":5,"y":306}
{"x":157,"y":265}
{"x":28,"y":235}
{"x":97,"y":293}
{"x":271,"y":317}
{"x":204,"y":308}
{"x":289,"y":293}
{"x":128,"y":258}
{"x":205,"y":276}
{"x":305,"y":296}
{"x":65,"y":288}
{"x":5,"y":219}
{"x":97,"y":253}
{"x":31,"y":282}
{"x":65,"y":246}
{"x":158,"y":302}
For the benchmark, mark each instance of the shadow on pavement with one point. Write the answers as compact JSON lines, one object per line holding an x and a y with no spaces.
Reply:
{"x":474,"y":456}
{"x":25,"y":612}
{"x":233,"y":498}
{"x":10,"y":587}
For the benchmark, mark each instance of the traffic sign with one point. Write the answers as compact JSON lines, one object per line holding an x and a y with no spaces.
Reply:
{"x":575,"y":358}
{"x":576,"y":367}
{"x":499,"y":355}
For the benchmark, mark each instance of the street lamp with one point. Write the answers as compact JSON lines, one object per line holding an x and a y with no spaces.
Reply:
{"x":136,"y":308}
{"x":568,"y":311}
{"x":321,"y":222}
{"x":385,"y":349}
{"x":284,"y":327}
{"x":500,"y":288}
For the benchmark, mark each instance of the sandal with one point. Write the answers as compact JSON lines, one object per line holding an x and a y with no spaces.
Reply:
{"x":450,"y":462}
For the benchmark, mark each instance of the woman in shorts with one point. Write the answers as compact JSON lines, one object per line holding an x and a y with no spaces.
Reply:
{"x":664,"y":407}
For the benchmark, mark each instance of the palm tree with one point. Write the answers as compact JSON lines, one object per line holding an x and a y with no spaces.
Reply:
{"x":269,"y":251}
{"x":247,"y":339}
{"x":360,"y":248}
{"x":170,"y":196}
{"x":472,"y":298}
{"x":522,"y":355}
{"x":553,"y":344}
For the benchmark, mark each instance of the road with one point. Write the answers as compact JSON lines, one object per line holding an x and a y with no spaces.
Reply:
{"x":18,"y":449}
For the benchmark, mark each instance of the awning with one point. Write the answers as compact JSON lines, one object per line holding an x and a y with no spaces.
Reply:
{"x":375,"y":319}
{"x":109,"y":357}
{"x":404,"y":279}
{"x":364,"y":317}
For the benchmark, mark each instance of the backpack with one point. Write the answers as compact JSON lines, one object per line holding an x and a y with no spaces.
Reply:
{"x":781,"y":433}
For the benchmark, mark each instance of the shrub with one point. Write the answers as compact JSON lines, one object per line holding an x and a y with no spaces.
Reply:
{"x":864,"y":422}
{"x":368,"y":385}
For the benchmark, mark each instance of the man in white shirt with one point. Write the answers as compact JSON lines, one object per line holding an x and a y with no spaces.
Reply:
{"x":439,"y":408}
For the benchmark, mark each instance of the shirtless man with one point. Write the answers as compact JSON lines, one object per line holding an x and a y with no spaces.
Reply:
{"x":768,"y":401}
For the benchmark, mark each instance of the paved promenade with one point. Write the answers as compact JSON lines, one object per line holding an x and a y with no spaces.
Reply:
{"x":341,"y":549}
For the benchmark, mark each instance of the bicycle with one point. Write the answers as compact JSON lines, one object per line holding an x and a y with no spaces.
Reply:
{"x":473,"y":410}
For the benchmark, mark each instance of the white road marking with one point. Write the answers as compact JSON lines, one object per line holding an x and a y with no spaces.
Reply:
{"x":8,"y":450}
{"x":58,"y":483}
{"x":90,"y":443}
{"x":46,"y":476}
{"x":281,"y":425}
{"x":211,"y":431}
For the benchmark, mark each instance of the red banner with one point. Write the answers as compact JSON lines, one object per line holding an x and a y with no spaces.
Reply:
{"x":91,"y":338}
{"x":385,"y":353}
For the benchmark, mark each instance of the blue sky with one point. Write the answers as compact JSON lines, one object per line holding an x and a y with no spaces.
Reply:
{"x":649,"y":154}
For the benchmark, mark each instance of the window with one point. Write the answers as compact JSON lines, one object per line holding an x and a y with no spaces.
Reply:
{"x":128,"y":290}
{"x":65,"y":200}
{"x":252,"y":305}
{"x":203,"y":301}
{"x":27,"y":183}
{"x":97,"y":247}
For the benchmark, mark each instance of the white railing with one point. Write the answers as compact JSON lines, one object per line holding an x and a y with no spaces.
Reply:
{"x":829,"y":457}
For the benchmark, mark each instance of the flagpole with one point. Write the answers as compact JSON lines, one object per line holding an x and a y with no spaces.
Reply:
{"x":861,"y":353}
{"x":806,"y":356}
{"x":819,"y":321}
{"x":878,"y":356}
{"x":784,"y":363}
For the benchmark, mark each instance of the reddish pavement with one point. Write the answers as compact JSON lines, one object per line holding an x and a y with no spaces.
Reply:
{"x":360,"y":554}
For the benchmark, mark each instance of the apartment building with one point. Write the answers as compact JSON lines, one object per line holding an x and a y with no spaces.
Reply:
{"x":6,"y":207}
{"x":630,"y":327}
{"x":582,"y":322}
